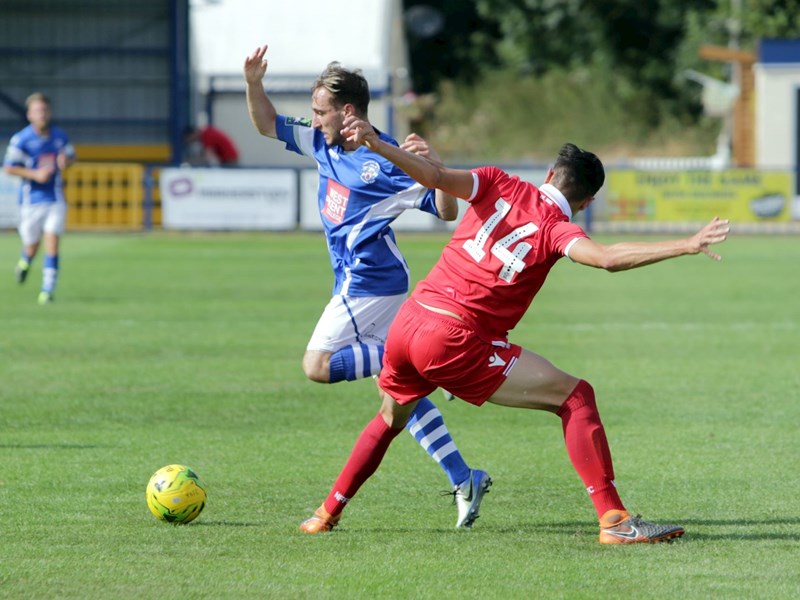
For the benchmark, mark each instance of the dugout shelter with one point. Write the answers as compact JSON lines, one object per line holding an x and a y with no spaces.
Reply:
{"x":116,"y":72}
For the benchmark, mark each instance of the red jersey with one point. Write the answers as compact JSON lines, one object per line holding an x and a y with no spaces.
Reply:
{"x":500,"y":254}
{"x":219,"y":143}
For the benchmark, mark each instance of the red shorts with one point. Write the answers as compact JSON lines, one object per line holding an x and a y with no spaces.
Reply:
{"x":426,"y":350}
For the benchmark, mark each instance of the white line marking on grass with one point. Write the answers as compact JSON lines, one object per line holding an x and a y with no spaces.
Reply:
{"x":645,"y":325}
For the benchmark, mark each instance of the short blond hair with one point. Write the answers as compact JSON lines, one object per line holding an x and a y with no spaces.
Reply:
{"x":345,"y":87}
{"x":36,"y":97}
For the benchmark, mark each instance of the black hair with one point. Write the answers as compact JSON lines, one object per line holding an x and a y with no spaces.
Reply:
{"x":577,"y":173}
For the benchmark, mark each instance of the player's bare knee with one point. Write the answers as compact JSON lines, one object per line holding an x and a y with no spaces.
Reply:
{"x":315,"y":374}
{"x":316,"y":368}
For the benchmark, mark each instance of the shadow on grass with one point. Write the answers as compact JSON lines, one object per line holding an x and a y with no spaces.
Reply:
{"x":224,"y":524}
{"x":50,"y":446}
{"x":696,"y":529}
{"x":744,"y":529}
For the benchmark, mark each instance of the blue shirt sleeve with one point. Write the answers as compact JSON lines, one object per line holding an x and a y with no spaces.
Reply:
{"x":296,"y":133}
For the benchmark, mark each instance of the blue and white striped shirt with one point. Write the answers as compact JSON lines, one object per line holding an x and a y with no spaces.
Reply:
{"x":28,"y":149}
{"x":360,"y":194}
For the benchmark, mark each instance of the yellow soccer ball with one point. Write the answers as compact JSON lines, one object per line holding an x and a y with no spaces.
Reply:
{"x":175,"y":494}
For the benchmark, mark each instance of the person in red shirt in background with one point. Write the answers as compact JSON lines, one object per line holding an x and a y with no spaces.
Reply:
{"x":218,"y":147}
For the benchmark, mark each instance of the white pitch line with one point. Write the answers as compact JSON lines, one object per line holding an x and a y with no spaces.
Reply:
{"x":739,"y":325}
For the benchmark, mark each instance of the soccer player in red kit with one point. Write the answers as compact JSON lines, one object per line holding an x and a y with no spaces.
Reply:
{"x":452,"y":332}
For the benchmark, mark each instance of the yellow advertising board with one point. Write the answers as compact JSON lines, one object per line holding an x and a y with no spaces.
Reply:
{"x":744,"y":195}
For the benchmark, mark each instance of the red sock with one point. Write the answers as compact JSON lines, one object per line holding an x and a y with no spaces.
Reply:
{"x":588,"y":448}
{"x":364,"y":459}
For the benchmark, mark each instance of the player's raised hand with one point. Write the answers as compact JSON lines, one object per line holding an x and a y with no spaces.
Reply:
{"x":714,"y":232}
{"x":358,"y":130}
{"x":255,"y":65}
{"x":418,"y":145}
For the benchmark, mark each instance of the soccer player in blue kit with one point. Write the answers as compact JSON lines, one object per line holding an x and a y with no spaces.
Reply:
{"x":360,"y":194}
{"x":38,"y":154}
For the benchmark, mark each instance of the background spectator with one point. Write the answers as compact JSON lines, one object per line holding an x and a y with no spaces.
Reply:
{"x":213,"y":145}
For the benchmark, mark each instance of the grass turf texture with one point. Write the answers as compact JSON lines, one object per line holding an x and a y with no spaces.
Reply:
{"x":186,"y":349}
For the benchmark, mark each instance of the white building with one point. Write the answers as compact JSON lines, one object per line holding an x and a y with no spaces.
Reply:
{"x":303,"y":37}
{"x":777,"y":80}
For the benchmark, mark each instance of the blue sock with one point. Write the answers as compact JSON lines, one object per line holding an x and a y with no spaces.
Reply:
{"x":24,"y":256}
{"x":50,"y":273}
{"x":355,"y":362}
{"x":428,"y":428}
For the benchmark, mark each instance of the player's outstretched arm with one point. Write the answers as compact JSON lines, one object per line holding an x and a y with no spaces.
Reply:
{"x":629,"y":255}
{"x":446,"y":204}
{"x":262,"y":112}
{"x":452,"y":181}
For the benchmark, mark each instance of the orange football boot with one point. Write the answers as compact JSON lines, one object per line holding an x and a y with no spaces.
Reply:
{"x":618,"y":527}
{"x":321,"y":522}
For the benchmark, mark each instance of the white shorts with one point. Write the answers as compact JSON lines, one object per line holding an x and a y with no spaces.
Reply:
{"x":49,"y":217}
{"x":347,"y":320}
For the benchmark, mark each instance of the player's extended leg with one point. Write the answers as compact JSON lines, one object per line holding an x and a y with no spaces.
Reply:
{"x":426,"y":425}
{"x":347,"y":344}
{"x":366,"y":456}
{"x":364,"y":459}
{"x":588,"y":449}
{"x":536,"y":383}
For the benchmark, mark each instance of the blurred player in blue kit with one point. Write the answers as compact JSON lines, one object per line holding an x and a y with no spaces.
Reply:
{"x":38,"y":154}
{"x":360,"y":194}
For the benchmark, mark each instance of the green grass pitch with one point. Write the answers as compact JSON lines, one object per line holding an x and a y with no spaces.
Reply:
{"x":185,"y":348}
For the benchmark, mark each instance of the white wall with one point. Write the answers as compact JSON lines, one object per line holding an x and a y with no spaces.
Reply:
{"x":776,"y":114}
{"x":303,"y":37}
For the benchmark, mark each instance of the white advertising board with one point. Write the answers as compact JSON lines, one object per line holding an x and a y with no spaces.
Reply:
{"x":9,"y":210}
{"x":309,"y":207}
{"x":225,"y":199}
